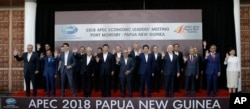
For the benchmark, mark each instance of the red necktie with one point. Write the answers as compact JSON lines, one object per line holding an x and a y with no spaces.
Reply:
{"x":213,"y":56}
{"x":191,"y":59}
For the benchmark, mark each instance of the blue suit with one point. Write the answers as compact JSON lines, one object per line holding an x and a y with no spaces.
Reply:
{"x":212,"y":70}
{"x":145,"y":71}
{"x":126,"y":79}
{"x":170,"y":69}
{"x":50,"y":70}
{"x":191,"y":71}
{"x":67,"y":72}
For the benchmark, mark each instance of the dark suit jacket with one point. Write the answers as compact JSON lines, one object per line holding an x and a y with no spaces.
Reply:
{"x":213,"y":66}
{"x":50,"y":67}
{"x":200,"y":62}
{"x":132,"y":55}
{"x":89,"y":69}
{"x":70,"y":61}
{"x":108,"y":66}
{"x":78,"y":57}
{"x":123,"y":67}
{"x":180,"y":60}
{"x":192,"y":67}
{"x":146,"y":68}
{"x":32,"y":65}
{"x":170,"y":67}
{"x":157,"y":63}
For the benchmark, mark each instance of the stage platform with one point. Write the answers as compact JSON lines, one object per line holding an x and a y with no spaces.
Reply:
{"x":161,"y":93}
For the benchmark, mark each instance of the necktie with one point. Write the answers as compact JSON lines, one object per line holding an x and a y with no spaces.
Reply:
{"x":213,"y":56}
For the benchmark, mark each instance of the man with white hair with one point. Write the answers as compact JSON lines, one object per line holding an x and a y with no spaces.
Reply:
{"x":30,"y":68}
{"x":170,"y":70}
{"x":87,"y":71}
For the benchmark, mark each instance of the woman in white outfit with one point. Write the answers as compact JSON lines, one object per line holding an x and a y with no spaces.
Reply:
{"x":233,"y":70}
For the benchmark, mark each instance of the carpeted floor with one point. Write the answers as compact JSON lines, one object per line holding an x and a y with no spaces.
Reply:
{"x":201,"y":93}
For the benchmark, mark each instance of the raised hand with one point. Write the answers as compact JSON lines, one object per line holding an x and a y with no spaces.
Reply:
{"x":204,"y":43}
{"x":117,"y":59}
{"x":74,"y":50}
{"x":95,"y":54}
{"x":41,"y":55}
{"x":38,"y":46}
{"x":97,"y":59}
{"x":129,"y":49}
{"x":185,"y":58}
{"x":56,"y":54}
{"x":227,"y":55}
{"x":207,"y":53}
{"x":163,"y":54}
{"x":113,"y":51}
{"x":15,"y":52}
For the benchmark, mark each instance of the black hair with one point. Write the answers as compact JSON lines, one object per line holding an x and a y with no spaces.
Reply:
{"x":105,"y":45}
{"x":67,"y":44}
{"x":145,"y":46}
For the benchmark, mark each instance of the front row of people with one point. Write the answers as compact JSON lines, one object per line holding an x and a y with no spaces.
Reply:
{"x":170,"y":69}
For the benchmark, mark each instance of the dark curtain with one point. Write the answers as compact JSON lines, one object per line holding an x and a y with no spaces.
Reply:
{"x":217,"y":18}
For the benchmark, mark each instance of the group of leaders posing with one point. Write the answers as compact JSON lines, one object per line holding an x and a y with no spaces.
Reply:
{"x":135,"y":69}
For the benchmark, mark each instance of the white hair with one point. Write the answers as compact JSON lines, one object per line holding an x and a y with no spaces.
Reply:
{"x":89,"y":49}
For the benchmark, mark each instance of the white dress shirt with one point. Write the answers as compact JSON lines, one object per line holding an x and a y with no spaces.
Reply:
{"x":177,"y":53}
{"x":29,"y":56}
{"x":126,"y":60}
{"x":105,"y":56}
{"x":136,"y":53}
{"x":119,"y":54}
{"x":170,"y":56}
{"x":88,"y":59}
{"x":146,"y":57}
{"x":156,"y":54}
{"x":66,"y":55}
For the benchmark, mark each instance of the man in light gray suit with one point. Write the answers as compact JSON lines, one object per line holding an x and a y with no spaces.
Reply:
{"x":191,"y":72}
{"x":125,"y":74}
{"x":67,"y":63}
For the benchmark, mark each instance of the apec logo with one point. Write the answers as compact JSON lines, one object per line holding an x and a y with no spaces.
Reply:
{"x":10,"y":101}
{"x":69,"y":29}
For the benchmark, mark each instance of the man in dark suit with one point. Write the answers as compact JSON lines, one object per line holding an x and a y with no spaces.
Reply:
{"x":156,"y":83}
{"x":30,"y":68}
{"x":107,"y":63}
{"x":136,"y":77}
{"x":181,"y":64}
{"x":50,"y":72}
{"x":67,"y":63}
{"x":87,"y":72}
{"x":115,"y":79}
{"x":77,"y":67}
{"x":213,"y":70}
{"x":198,"y":81}
{"x":125,"y":74}
{"x":96,"y":78}
{"x":145,"y":70}
{"x":191,"y":72}
{"x":171,"y":69}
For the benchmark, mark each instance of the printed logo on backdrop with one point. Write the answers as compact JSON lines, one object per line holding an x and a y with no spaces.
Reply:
{"x":69,"y":29}
{"x":187,"y":29}
{"x":10,"y":103}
